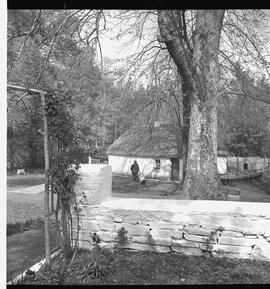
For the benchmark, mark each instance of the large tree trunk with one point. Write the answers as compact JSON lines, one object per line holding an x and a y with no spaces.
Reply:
{"x":202,"y":176}
{"x":198,"y":68}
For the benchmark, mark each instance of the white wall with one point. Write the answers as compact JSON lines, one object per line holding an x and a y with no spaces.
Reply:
{"x":95,"y":180}
{"x":222,"y":165}
{"x":122,"y":164}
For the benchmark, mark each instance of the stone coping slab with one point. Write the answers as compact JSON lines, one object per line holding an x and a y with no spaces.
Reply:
{"x":188,"y":206}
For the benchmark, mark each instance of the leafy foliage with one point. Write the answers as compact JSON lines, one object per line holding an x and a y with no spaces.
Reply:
{"x":63,"y":179}
{"x":122,"y":236}
{"x":99,"y":261}
{"x":19,"y":227}
{"x":244,"y":122}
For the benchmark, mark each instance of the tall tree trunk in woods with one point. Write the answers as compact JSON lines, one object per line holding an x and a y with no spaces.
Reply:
{"x":33,"y":154}
{"x":198,"y":68}
{"x":46,"y":194}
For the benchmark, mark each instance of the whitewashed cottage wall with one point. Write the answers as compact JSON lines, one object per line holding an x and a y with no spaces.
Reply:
{"x":254,"y":163}
{"x":122,"y":164}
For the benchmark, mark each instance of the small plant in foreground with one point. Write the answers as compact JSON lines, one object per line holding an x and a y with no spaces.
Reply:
{"x":95,"y":263}
{"x":122,"y":237}
{"x":213,"y":236}
{"x":99,"y":266}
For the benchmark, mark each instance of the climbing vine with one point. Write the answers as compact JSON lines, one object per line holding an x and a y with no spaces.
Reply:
{"x":63,"y":172}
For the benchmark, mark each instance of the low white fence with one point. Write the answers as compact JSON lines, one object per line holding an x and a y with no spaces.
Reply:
{"x":97,"y":161}
{"x":255,"y":164}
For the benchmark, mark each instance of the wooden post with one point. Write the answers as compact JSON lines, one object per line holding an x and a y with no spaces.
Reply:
{"x":181,"y":176}
{"x":46,"y":194}
{"x":52,"y":201}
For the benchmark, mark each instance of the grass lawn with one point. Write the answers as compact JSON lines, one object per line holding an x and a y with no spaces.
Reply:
{"x":26,"y":249}
{"x":151,"y":268}
{"x":25,"y":180}
{"x":124,"y":186}
{"x":23,"y":207}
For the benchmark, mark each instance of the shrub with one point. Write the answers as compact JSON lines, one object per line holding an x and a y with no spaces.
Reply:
{"x":122,"y":236}
{"x":19,"y":227}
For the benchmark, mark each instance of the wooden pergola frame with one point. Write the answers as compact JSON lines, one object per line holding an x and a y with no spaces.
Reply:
{"x":47,"y":164}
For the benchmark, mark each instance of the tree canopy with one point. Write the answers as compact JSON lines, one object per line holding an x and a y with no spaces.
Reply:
{"x":183,"y":65}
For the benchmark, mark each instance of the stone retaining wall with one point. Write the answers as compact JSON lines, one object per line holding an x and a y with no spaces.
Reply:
{"x":218,"y":228}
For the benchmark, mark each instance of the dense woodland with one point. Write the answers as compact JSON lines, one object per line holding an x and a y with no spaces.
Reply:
{"x":92,"y":99}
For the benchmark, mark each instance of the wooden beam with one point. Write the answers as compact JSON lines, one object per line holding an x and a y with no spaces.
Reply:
{"x":24,"y":89}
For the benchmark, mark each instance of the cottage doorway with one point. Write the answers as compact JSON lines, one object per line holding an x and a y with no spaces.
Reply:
{"x":245,"y":166}
{"x":175,"y":169}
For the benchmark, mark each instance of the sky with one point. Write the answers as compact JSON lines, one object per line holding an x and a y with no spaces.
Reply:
{"x":118,"y":47}
{"x":114,"y":47}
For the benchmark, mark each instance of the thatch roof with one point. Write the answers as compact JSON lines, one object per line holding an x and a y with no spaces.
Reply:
{"x":160,"y":142}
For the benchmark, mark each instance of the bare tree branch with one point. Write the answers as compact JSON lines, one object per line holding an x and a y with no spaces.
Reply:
{"x":255,"y":97}
{"x":32,"y":30}
{"x":44,"y":64}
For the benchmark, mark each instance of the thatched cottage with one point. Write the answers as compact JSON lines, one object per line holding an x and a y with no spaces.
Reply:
{"x":155,"y":151}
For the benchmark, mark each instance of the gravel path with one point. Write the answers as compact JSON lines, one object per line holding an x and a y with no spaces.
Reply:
{"x":27,"y":190}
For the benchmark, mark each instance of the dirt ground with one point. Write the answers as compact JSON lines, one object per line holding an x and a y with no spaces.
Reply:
{"x":152,"y":268}
{"x":124,"y":186}
{"x":252,"y":190}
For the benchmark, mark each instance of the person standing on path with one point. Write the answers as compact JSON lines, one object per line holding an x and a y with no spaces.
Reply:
{"x":135,"y":171}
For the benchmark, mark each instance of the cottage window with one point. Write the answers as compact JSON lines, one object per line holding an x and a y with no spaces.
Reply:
{"x":157,"y":165}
